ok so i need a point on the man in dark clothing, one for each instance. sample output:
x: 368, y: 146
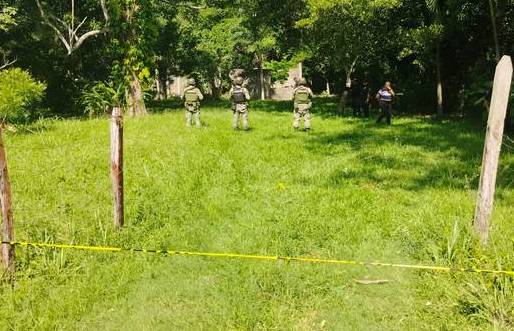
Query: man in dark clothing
x: 355, y: 93
x: 365, y: 98
x: 361, y: 98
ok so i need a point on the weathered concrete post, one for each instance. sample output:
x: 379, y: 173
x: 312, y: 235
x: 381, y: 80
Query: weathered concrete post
x: 492, y: 148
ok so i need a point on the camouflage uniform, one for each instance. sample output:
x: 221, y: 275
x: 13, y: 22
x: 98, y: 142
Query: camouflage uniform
x: 302, y: 96
x: 239, y: 96
x: 192, y: 97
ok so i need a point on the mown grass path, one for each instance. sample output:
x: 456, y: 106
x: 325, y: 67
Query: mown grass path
x: 349, y: 189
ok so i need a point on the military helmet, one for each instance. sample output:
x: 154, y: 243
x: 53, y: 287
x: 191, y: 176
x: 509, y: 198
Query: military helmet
x: 302, y: 81
x: 239, y: 81
x: 191, y: 82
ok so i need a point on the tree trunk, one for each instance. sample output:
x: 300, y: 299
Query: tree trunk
x: 344, y: 96
x: 348, y: 85
x: 216, y: 84
x: 261, y: 78
x: 158, y: 86
x: 136, y: 97
x: 168, y: 84
x: 495, y: 30
x: 440, y: 107
x: 161, y: 85
x: 327, y: 85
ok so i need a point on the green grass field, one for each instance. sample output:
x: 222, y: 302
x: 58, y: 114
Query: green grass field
x: 348, y: 190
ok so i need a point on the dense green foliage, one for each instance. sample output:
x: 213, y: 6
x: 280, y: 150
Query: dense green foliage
x: 7, y: 17
x: 98, y: 99
x: 347, y: 190
x: 18, y: 94
x: 406, y: 41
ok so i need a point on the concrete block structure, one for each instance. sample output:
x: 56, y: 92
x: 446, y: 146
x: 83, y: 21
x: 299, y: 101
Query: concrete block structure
x: 278, y: 90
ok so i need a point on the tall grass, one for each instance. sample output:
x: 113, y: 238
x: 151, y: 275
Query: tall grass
x: 350, y: 189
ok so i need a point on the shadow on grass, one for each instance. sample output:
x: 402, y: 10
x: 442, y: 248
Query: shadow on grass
x: 413, y: 155
x: 175, y: 104
x: 160, y: 106
x: 321, y: 106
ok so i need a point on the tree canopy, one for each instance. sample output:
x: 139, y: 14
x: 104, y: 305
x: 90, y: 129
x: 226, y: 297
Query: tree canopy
x: 439, y: 53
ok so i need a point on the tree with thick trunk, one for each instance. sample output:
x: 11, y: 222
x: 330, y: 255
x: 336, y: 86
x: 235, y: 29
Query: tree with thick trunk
x: 435, y: 7
x: 132, y: 31
x: 348, y: 84
x: 136, y: 101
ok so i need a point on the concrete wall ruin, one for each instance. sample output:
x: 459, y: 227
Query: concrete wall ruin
x: 278, y: 90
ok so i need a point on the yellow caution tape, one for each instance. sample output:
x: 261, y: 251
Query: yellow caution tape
x: 263, y: 257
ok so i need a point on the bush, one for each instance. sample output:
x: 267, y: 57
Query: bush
x: 100, y: 97
x: 18, y: 94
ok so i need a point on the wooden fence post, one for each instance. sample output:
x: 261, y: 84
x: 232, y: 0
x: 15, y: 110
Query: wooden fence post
x: 7, y: 215
x: 492, y: 148
x: 117, y: 165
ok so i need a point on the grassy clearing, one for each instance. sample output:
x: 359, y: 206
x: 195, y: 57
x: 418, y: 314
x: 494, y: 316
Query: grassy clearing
x: 350, y: 189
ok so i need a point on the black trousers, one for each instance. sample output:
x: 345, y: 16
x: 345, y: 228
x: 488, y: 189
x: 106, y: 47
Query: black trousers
x: 365, y: 109
x: 361, y: 108
x: 386, y: 112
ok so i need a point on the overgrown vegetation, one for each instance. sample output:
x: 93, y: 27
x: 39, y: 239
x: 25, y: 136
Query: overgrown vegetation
x: 349, y: 190
x: 19, y: 93
x: 98, y: 99
x: 418, y: 45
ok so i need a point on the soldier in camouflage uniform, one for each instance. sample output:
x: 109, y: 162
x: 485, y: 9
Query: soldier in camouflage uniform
x: 239, y: 96
x: 302, y: 97
x: 192, y: 97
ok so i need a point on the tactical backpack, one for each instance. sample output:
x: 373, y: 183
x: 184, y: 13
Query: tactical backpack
x: 238, y: 95
x: 302, y: 96
x: 191, y: 96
